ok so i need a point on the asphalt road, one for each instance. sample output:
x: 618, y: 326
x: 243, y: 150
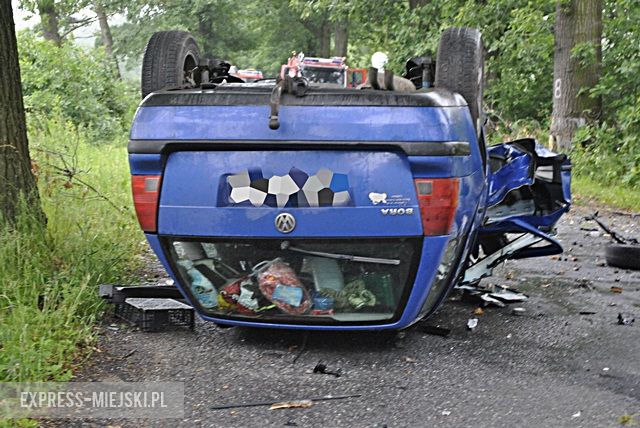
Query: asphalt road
x: 551, y: 366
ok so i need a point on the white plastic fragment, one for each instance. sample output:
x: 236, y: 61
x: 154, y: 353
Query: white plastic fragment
x: 472, y: 323
x: 509, y: 296
x: 490, y: 300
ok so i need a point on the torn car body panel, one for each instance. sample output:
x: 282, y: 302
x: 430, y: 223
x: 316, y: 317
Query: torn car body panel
x: 529, y: 188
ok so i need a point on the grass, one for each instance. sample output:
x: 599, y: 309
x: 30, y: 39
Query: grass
x: 586, y: 190
x: 49, y: 274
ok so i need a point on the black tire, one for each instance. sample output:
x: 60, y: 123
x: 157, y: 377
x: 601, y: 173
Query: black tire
x: 460, y: 68
x: 168, y: 58
x: 623, y: 256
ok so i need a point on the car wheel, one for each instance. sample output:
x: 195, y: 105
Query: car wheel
x: 169, y: 58
x: 460, y: 67
x: 623, y: 256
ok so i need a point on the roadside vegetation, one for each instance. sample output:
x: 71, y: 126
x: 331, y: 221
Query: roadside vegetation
x: 78, y: 112
x: 49, y: 273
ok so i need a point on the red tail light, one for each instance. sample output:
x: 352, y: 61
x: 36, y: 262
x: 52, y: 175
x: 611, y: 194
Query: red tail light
x: 146, y: 189
x: 438, y: 200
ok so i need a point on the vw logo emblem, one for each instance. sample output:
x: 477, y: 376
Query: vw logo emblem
x: 285, y: 222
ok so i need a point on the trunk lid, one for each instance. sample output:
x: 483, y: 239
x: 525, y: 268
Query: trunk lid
x: 329, y: 193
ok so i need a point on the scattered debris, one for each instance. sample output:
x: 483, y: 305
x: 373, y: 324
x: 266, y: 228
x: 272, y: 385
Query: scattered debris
x: 509, y: 296
x: 128, y: 354
x: 616, y: 236
x: 271, y: 403
x: 491, y: 301
x: 488, y: 295
x: 626, y: 420
x: 300, y: 404
x: 518, y: 311
x: 472, y: 323
x: 584, y: 283
x: 435, y: 330
x: 615, y: 289
x: 322, y: 369
x: 625, y: 320
x: 478, y: 311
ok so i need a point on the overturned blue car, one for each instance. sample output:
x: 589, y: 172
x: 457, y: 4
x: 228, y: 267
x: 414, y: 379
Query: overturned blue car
x: 294, y: 204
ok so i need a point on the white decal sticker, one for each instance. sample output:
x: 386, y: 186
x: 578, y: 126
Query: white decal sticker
x: 378, y: 198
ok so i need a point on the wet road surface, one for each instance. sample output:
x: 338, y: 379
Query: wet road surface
x: 550, y: 366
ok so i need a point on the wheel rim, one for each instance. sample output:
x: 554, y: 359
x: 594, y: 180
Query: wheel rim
x: 187, y: 67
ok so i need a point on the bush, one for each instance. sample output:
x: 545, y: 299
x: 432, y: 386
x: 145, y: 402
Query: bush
x: 80, y: 85
x: 609, y: 153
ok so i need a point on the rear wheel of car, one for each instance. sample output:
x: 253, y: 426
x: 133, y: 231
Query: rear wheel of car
x: 169, y: 58
x: 623, y: 256
x: 460, y: 67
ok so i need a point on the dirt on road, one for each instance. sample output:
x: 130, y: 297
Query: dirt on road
x: 563, y: 361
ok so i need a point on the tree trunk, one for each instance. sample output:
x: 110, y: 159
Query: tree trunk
x: 16, y: 179
x: 589, y: 31
x: 49, y: 21
x: 107, y: 39
x: 578, y: 23
x: 325, y: 40
x: 341, y: 37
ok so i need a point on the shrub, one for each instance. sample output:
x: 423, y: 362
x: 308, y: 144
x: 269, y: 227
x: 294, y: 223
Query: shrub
x: 80, y: 85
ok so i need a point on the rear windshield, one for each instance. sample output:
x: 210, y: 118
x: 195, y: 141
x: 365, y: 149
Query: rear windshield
x: 328, y: 281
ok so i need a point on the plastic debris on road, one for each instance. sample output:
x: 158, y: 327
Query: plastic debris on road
x: 625, y: 319
x: 322, y: 369
x: 472, y: 323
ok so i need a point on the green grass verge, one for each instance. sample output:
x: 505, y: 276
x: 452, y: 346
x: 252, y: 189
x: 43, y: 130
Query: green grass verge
x: 586, y: 190
x: 49, y: 274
